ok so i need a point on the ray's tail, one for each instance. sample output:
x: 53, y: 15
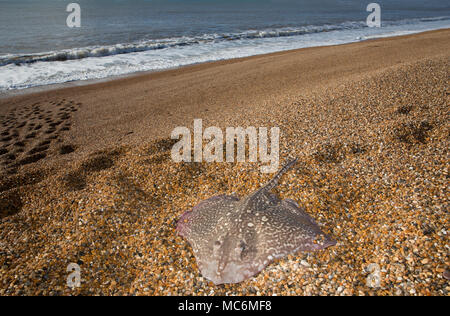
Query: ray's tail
x: 274, y: 181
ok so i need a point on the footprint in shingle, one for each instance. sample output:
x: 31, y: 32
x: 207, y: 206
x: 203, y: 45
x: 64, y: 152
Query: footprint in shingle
x: 54, y: 124
x: 38, y: 149
x: 32, y: 159
x: 10, y: 157
x: 19, y: 144
x: 31, y: 135
x: 66, y: 149
x: 45, y: 143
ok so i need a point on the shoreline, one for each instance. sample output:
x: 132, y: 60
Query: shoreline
x: 119, y: 111
x: 79, y: 83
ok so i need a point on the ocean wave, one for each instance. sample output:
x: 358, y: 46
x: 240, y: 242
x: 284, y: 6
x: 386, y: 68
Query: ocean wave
x: 101, y: 51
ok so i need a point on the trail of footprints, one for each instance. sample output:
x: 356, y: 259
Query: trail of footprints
x: 27, y: 134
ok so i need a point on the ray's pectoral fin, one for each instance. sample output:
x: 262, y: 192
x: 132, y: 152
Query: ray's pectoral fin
x: 297, y: 231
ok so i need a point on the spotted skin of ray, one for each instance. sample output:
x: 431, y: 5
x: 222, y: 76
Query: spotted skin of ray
x: 234, y: 239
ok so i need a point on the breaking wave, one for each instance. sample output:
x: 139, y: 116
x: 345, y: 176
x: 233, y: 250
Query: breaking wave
x: 101, y: 51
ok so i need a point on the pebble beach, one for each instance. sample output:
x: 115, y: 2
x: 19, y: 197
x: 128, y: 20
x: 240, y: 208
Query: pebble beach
x: 86, y: 174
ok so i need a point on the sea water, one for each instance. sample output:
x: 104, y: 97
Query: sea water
x: 118, y: 37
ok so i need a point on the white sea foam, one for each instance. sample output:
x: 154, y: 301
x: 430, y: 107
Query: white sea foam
x: 23, y: 71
